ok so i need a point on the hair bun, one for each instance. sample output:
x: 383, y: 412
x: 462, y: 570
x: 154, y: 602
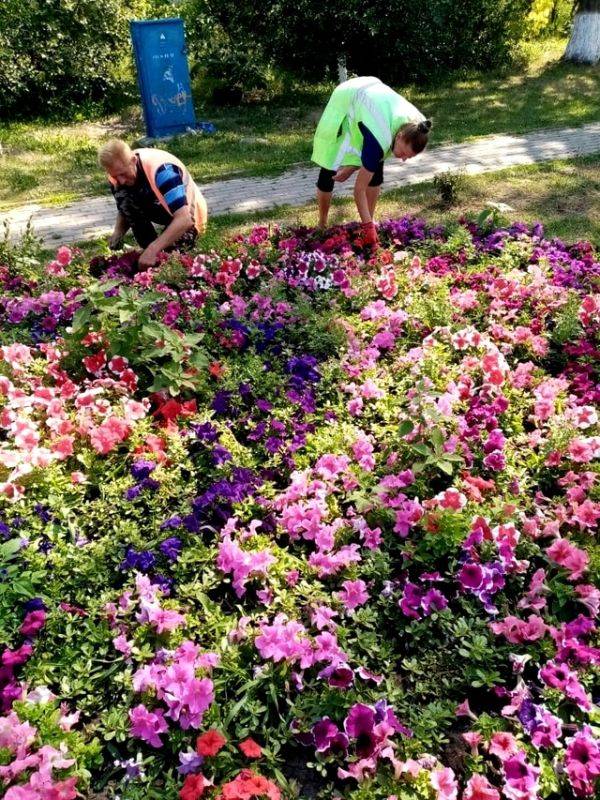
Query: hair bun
x: 425, y: 126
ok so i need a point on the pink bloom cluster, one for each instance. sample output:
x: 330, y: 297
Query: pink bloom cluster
x: 44, y: 420
x: 33, y: 773
x: 173, y: 679
x: 243, y: 565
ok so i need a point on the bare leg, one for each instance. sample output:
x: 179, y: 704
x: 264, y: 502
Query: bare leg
x: 324, y: 203
x: 372, y: 197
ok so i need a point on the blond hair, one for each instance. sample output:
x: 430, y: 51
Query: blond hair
x: 114, y: 151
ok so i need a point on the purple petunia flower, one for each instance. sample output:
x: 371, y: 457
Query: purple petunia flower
x: 171, y: 548
x: 141, y: 469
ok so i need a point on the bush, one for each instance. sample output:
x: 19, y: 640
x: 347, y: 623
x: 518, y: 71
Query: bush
x: 450, y: 186
x: 389, y: 39
x: 54, y: 54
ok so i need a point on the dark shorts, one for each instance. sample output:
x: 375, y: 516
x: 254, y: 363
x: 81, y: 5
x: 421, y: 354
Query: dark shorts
x: 325, y: 180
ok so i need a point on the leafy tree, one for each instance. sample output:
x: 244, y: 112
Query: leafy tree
x: 54, y: 53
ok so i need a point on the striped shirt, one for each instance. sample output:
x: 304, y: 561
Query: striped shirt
x: 170, y: 185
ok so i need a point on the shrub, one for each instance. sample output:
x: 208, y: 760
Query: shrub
x: 56, y: 54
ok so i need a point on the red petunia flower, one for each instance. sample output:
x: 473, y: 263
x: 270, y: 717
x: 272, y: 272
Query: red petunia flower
x: 209, y: 743
x: 250, y: 748
x: 216, y: 370
x: 193, y: 787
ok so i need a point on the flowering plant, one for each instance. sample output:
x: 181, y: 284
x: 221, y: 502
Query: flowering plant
x: 295, y: 519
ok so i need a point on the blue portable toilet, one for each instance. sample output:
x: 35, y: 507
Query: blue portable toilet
x: 163, y: 76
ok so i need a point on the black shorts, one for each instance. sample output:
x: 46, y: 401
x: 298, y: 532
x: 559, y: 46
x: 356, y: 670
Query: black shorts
x: 325, y: 180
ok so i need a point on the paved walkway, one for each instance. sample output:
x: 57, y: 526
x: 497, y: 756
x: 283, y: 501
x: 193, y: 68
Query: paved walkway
x: 94, y: 217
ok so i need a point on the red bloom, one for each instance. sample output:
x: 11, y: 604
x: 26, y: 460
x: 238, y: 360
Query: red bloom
x: 193, y: 787
x: 95, y: 363
x: 171, y: 409
x: 216, y: 370
x: 209, y: 743
x: 250, y: 748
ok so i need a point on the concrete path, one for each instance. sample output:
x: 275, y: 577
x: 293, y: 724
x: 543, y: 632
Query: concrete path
x: 94, y: 217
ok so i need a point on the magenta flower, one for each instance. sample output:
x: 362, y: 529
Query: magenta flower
x: 147, y: 725
x: 359, y: 725
x: 470, y: 576
x: 353, y: 594
x: 33, y: 623
x: 328, y: 737
x: 522, y: 779
x: 582, y: 762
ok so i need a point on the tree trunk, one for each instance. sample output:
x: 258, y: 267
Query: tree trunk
x: 584, y: 44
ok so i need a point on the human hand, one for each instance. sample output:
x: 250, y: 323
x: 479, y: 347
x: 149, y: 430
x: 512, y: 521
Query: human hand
x: 147, y: 258
x: 344, y: 173
x: 115, y: 241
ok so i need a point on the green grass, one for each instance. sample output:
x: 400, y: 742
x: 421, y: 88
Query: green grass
x: 564, y: 195
x: 49, y: 163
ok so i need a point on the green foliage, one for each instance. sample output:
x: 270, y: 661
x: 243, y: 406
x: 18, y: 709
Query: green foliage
x: 55, y: 53
x: 427, y: 40
x: 449, y: 186
x: 567, y: 326
x: 163, y: 357
x: 16, y: 586
x: 22, y: 258
x: 549, y: 17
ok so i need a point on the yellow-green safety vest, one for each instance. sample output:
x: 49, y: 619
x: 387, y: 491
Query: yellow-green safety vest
x: 338, y: 140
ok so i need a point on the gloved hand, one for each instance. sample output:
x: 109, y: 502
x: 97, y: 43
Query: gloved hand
x: 368, y: 234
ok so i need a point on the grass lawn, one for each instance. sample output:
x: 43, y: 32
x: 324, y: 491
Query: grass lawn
x: 564, y: 195
x: 45, y: 162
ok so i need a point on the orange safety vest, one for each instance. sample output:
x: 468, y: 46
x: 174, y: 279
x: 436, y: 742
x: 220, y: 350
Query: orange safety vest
x: 151, y: 159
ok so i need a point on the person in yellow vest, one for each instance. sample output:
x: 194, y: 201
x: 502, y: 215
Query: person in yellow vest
x: 364, y: 123
x: 152, y: 187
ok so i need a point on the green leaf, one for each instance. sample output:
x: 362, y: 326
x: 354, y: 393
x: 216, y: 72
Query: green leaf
x: 422, y: 449
x: 437, y: 437
x: 198, y: 359
x: 8, y: 549
x: 405, y: 427
x: 81, y: 318
x: 446, y: 467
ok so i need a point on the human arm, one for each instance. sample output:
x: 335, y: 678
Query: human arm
x: 344, y: 173
x: 180, y: 224
x: 360, y: 194
x: 120, y: 229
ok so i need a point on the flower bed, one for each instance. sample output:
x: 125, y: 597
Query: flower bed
x: 293, y: 520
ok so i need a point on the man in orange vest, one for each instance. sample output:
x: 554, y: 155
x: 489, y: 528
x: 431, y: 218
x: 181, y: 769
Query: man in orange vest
x: 152, y: 187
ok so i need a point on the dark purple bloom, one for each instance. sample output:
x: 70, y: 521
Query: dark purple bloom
x: 529, y: 715
x: 42, y: 512
x: 206, y: 432
x: 172, y: 523
x: 171, y: 548
x: 141, y: 469
x: 221, y: 403
x: 35, y: 604
x: 273, y: 444
x: 150, y: 484
x: 143, y: 560
x: 133, y: 492
x: 304, y: 367
x: 220, y: 455
x: 164, y: 584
